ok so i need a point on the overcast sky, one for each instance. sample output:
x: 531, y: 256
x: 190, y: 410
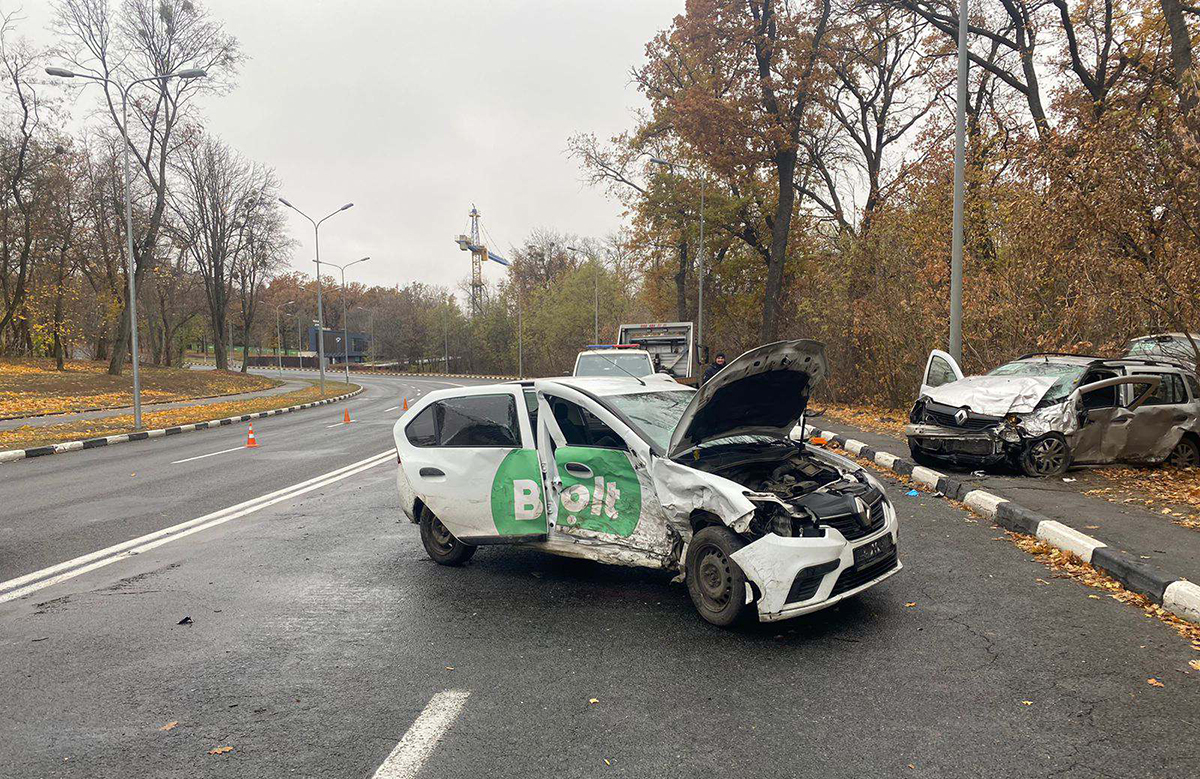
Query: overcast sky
x: 414, y: 110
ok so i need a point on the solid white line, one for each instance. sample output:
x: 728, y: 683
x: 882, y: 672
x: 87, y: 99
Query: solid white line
x: 335, y: 424
x: 210, y: 454
x: 90, y: 562
x: 418, y: 743
x: 393, y: 408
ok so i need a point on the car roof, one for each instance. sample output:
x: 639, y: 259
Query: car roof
x: 609, y: 385
x: 1087, y: 360
x: 1155, y: 336
x: 610, y: 350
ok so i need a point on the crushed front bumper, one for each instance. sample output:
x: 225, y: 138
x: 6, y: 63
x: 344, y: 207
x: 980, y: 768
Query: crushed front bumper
x: 968, y: 447
x: 799, y: 575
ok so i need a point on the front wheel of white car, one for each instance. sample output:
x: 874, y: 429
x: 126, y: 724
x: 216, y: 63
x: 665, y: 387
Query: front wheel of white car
x: 440, y: 544
x: 715, y: 582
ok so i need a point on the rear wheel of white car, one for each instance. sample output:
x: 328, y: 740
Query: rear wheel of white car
x: 715, y: 582
x: 440, y: 543
x: 1046, y: 456
x: 1185, y: 454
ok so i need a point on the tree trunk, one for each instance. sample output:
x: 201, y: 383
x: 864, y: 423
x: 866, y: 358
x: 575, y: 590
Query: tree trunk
x: 116, y: 362
x: 681, y: 301
x: 245, y: 349
x: 781, y: 225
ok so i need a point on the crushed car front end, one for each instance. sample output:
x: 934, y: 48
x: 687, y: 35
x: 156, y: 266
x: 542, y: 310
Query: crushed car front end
x: 963, y: 437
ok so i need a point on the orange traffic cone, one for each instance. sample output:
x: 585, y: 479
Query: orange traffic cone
x: 346, y: 417
x: 250, y: 442
x: 405, y: 405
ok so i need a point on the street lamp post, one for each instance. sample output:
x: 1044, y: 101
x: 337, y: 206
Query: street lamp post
x: 279, y: 336
x: 960, y: 154
x: 320, y: 314
x: 345, y: 326
x: 187, y: 73
x: 699, y: 257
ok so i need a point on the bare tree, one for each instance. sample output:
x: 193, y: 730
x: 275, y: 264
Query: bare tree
x: 216, y: 194
x: 19, y: 169
x: 149, y: 39
x: 265, y: 246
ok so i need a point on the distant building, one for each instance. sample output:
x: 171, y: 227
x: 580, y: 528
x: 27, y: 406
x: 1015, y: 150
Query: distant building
x: 360, y: 345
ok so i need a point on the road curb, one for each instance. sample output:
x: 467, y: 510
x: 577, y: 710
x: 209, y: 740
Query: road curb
x: 12, y: 455
x: 380, y: 373
x: 1174, y: 593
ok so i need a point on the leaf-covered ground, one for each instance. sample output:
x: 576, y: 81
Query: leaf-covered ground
x: 1171, y: 492
x: 28, y: 436
x: 32, y: 387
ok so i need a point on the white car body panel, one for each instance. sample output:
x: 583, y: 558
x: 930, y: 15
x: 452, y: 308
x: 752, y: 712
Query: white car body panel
x: 993, y: 395
x: 586, y: 509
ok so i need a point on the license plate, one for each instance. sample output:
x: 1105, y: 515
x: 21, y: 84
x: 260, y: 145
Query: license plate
x: 869, y: 552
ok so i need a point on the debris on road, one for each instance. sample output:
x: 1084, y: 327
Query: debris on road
x: 220, y: 750
x: 185, y: 621
x: 1154, y: 682
x: 170, y: 725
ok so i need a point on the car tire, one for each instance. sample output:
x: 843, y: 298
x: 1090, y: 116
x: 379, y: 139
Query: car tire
x: 440, y: 544
x: 1185, y: 454
x: 1046, y: 456
x: 715, y: 583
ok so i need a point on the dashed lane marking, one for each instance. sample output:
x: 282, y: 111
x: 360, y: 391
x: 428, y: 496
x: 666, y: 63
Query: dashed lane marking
x: 419, y: 741
x: 210, y: 454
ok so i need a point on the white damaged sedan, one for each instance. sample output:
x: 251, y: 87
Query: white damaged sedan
x: 648, y: 472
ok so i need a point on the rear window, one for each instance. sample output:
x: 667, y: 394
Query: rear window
x: 472, y: 421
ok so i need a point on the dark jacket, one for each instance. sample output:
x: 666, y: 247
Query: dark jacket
x: 713, y: 370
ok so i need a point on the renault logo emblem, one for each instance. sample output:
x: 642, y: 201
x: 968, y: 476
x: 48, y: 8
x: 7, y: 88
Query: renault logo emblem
x: 861, y: 512
x: 960, y: 416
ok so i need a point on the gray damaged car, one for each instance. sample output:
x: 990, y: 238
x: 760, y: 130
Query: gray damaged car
x: 1044, y: 413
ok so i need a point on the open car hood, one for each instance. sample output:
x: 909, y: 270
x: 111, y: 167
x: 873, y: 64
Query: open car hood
x: 763, y: 392
x: 994, y: 395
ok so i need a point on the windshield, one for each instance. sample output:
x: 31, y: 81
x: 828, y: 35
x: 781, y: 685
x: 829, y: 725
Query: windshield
x: 1068, y: 376
x: 656, y: 413
x: 615, y: 364
x: 1175, y: 347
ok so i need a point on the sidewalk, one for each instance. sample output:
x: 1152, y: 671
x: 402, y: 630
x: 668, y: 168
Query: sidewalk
x: 1149, y: 537
x: 289, y: 385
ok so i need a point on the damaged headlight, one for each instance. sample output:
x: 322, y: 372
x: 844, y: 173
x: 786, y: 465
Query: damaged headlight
x: 917, y: 415
x: 1009, y: 430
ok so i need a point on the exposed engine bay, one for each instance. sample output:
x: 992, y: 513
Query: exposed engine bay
x: 797, y: 494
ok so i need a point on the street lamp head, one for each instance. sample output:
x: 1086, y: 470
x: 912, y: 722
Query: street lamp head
x: 191, y: 73
x: 661, y: 161
x: 60, y: 72
x: 284, y: 201
x: 348, y: 205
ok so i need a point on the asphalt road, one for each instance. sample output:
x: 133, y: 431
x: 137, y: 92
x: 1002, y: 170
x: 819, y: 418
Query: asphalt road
x: 321, y: 634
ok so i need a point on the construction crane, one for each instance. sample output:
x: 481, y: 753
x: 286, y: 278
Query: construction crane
x: 479, y: 253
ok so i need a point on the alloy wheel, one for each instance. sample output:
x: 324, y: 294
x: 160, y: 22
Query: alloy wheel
x: 1048, y: 456
x: 1184, y: 455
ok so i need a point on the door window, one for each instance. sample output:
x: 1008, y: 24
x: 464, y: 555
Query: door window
x: 940, y: 372
x: 582, y: 428
x: 1169, y: 391
x: 1105, y: 397
x: 477, y: 421
x: 1193, y: 385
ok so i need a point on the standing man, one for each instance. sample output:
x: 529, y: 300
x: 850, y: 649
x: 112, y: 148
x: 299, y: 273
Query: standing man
x: 715, y: 368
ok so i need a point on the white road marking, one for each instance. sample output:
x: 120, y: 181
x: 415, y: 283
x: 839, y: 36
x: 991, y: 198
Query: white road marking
x: 393, y: 408
x: 335, y: 424
x: 22, y: 586
x: 210, y: 454
x: 419, y: 742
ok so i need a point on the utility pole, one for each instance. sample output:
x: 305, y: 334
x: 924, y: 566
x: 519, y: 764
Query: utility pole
x: 960, y: 155
x: 446, y: 333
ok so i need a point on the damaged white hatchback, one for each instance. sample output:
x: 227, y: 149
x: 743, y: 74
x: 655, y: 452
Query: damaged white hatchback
x: 647, y: 472
x: 1047, y: 412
